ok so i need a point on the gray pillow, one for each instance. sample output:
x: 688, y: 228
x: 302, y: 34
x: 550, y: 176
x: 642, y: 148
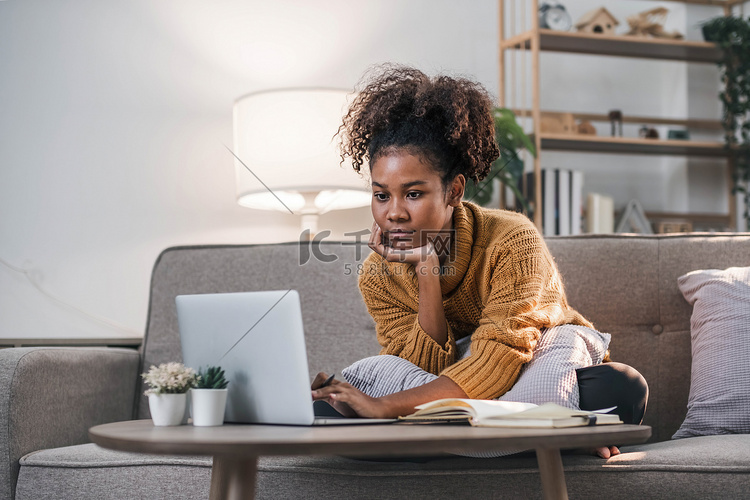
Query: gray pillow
x: 719, y: 401
x: 385, y: 374
x: 549, y: 376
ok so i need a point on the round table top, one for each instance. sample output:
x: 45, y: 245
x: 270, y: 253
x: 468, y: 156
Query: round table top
x: 382, y: 440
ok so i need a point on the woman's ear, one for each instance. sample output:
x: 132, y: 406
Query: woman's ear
x: 456, y: 191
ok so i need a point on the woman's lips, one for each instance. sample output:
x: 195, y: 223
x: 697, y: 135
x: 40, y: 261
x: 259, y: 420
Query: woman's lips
x: 396, y: 235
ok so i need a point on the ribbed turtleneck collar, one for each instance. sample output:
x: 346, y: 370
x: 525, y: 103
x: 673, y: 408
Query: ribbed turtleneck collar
x: 457, y: 264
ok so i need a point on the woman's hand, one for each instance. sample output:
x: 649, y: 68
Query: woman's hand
x: 414, y: 256
x: 348, y: 400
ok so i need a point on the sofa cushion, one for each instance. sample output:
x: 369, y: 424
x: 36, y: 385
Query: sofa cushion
x: 89, y: 472
x: 702, y: 467
x: 719, y: 400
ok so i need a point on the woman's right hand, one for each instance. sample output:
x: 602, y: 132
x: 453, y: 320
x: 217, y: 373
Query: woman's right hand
x: 347, y: 399
x: 414, y: 256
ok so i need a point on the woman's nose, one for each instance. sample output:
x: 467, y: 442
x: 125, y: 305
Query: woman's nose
x: 396, y: 211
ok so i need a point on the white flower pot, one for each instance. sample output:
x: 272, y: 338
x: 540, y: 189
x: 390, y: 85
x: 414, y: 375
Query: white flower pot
x: 207, y: 406
x: 167, y: 409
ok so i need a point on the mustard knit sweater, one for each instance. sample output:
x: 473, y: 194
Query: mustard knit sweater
x: 500, y: 284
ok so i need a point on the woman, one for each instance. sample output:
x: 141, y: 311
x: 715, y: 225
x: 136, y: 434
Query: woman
x: 442, y: 269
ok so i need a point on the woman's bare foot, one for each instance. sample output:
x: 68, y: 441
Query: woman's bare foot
x: 607, y: 451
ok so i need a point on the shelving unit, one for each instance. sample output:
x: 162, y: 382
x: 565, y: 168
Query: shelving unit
x: 536, y: 40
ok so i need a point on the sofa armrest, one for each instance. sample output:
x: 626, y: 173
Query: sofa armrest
x: 49, y: 397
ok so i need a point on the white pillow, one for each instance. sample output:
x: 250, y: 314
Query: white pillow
x: 549, y: 376
x: 719, y: 401
x: 385, y: 374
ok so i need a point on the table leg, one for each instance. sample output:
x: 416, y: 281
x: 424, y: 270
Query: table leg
x: 233, y: 479
x: 553, y: 475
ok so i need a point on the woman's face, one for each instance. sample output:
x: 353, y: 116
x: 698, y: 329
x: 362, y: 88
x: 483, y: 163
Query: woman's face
x: 409, y: 202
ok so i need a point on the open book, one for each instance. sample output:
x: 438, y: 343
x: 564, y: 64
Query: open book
x: 483, y: 413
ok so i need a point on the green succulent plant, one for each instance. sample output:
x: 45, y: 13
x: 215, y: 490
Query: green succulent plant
x: 211, y: 378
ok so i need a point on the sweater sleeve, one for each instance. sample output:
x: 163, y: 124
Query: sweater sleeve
x: 398, y: 329
x: 517, y: 306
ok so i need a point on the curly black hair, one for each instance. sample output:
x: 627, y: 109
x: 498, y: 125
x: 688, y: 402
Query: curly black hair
x: 445, y: 120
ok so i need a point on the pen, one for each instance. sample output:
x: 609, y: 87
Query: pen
x: 327, y: 382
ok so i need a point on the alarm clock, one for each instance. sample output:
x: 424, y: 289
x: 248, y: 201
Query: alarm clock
x: 553, y: 16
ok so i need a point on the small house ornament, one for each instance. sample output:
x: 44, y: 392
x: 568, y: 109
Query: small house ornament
x: 598, y: 21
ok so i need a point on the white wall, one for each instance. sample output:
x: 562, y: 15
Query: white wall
x: 113, y: 117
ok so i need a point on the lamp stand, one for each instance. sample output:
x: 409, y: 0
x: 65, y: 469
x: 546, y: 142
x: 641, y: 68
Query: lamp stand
x: 310, y: 214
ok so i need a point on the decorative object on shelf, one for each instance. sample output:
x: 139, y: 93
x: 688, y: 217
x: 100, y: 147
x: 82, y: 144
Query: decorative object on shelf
x: 208, y: 399
x: 681, y: 135
x: 598, y: 21
x: 634, y: 220
x: 558, y: 123
x: 732, y: 35
x: 508, y: 169
x: 167, y: 395
x: 646, y: 132
x: 553, y: 16
x: 673, y: 226
x: 303, y: 176
x: 650, y: 23
x: 585, y: 127
x: 615, y: 118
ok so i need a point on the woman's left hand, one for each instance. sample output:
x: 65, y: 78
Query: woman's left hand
x: 348, y: 400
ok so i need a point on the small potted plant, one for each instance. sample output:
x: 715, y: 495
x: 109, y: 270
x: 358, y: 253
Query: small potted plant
x: 167, y: 395
x: 208, y: 399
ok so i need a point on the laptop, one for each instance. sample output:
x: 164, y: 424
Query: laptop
x: 259, y: 341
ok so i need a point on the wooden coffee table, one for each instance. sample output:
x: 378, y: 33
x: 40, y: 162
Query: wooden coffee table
x: 236, y: 448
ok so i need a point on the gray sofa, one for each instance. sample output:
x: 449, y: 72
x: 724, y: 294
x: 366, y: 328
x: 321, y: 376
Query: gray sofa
x: 627, y: 285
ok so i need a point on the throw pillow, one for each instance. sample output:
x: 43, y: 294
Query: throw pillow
x: 549, y: 377
x: 385, y: 374
x: 719, y: 400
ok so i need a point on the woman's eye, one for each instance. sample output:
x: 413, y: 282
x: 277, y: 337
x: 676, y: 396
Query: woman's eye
x: 380, y: 196
x: 414, y: 194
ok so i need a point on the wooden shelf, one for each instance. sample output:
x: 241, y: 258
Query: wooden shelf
x: 690, y: 123
x: 700, y: 218
x: 713, y: 3
x: 599, y: 144
x: 537, y: 40
x: 622, y: 46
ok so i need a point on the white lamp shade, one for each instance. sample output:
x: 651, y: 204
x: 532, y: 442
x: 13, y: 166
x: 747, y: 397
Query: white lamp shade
x: 286, y: 139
